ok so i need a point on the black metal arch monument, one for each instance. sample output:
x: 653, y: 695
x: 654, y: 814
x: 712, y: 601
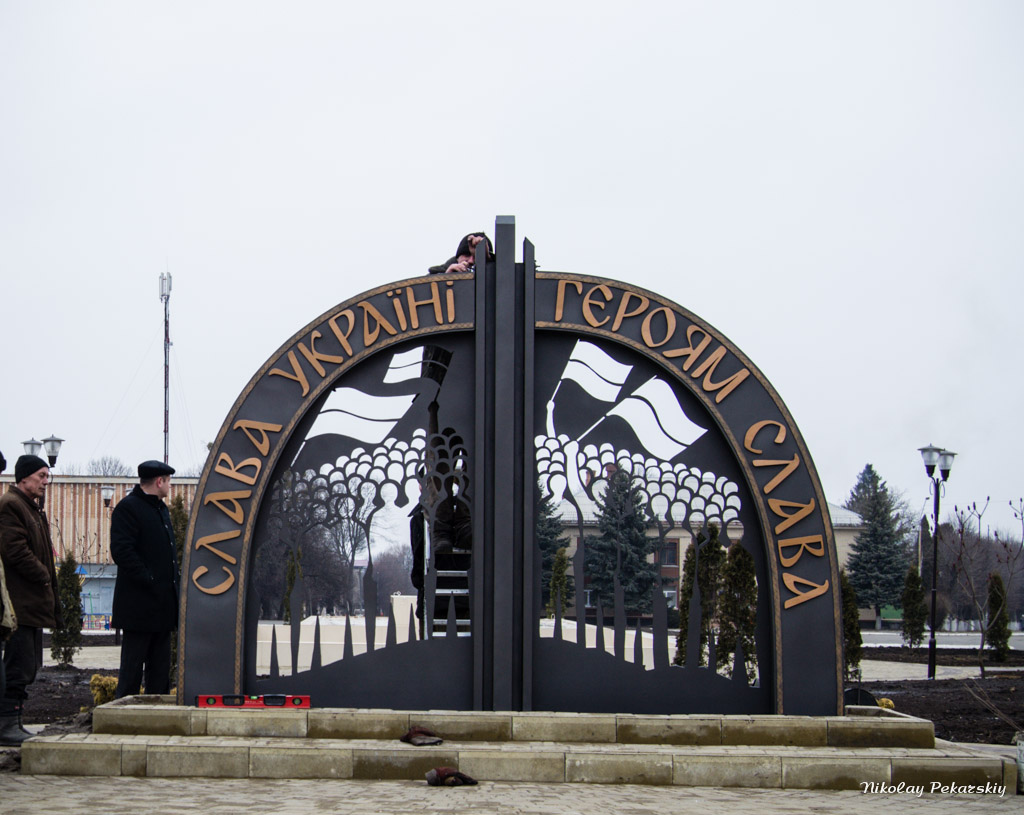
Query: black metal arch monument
x: 435, y: 415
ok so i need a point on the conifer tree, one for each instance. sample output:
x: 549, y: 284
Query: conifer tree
x: 179, y: 524
x: 738, y: 613
x: 547, y: 533
x: 623, y: 543
x: 685, y: 593
x: 66, y: 639
x: 852, y: 641
x: 878, y: 558
x: 998, y: 634
x: 915, y: 610
x: 710, y: 568
x: 560, y: 582
x: 704, y: 563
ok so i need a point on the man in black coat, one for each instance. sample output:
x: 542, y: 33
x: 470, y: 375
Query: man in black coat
x: 146, y: 591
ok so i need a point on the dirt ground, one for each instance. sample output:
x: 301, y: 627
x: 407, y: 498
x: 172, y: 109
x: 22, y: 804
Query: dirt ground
x: 979, y: 711
x: 959, y: 714
x: 967, y: 657
x: 57, y: 696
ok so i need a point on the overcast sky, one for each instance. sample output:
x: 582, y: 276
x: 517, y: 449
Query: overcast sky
x: 837, y: 187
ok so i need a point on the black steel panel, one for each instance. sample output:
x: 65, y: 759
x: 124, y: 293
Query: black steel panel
x: 521, y: 384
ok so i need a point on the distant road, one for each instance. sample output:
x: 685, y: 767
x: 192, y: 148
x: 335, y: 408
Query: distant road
x: 943, y: 639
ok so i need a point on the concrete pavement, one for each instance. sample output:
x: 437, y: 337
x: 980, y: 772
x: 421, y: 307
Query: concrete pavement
x: 30, y: 795
x: 20, y: 795
x: 943, y: 639
x: 106, y: 657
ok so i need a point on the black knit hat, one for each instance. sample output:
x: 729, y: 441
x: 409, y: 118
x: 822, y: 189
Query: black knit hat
x: 3, y: 463
x: 464, y: 245
x: 26, y: 466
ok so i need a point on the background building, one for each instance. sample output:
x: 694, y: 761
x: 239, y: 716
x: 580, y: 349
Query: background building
x: 80, y: 524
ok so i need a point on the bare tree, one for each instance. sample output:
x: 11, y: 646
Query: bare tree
x: 109, y: 465
x: 328, y: 520
x: 1015, y: 594
x: 976, y: 555
x: 392, y: 570
x: 949, y: 596
x: 104, y: 465
x: 326, y: 581
x: 344, y: 539
x: 293, y: 515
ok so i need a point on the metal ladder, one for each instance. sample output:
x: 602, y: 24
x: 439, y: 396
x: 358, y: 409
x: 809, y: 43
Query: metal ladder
x: 452, y: 588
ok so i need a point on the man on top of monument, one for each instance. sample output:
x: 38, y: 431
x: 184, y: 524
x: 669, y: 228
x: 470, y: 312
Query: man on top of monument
x: 465, y: 255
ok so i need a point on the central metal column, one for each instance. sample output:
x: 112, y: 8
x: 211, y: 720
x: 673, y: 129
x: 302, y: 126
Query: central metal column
x: 503, y: 499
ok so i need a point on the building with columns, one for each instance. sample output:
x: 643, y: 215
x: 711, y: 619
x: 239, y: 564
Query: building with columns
x: 79, y: 521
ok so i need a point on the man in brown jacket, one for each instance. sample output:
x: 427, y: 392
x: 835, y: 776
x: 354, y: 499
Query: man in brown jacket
x: 7, y: 620
x: 26, y: 551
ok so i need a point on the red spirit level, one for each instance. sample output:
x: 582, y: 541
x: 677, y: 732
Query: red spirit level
x: 261, y: 700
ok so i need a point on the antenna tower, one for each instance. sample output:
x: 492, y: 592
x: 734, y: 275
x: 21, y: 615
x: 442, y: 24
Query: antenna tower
x: 165, y: 298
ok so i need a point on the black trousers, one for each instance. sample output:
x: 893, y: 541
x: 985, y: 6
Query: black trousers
x: 144, y: 654
x: 22, y: 654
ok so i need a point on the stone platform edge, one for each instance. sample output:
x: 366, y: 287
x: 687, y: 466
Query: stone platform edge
x: 537, y: 762
x: 861, y: 727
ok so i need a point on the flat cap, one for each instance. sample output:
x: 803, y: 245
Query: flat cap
x: 154, y: 469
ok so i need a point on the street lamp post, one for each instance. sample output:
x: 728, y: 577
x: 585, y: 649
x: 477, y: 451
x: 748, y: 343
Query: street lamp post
x: 933, y: 456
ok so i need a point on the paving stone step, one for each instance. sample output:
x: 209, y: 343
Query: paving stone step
x: 151, y: 736
x: 796, y: 767
x: 856, y: 730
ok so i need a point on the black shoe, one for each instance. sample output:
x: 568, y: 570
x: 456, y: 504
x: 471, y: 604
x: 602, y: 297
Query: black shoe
x: 11, y: 735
